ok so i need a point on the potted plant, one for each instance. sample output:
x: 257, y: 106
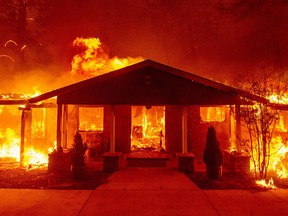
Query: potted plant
x: 213, y: 157
x: 78, y: 157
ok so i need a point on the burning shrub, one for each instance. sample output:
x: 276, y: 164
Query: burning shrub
x: 261, y: 118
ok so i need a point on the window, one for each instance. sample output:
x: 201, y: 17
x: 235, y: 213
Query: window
x: 91, y: 118
x: 212, y: 114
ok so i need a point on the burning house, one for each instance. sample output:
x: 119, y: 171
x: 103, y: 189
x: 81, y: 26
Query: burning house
x: 144, y: 106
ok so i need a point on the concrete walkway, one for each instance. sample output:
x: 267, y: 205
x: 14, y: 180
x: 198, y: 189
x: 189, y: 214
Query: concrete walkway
x: 143, y: 191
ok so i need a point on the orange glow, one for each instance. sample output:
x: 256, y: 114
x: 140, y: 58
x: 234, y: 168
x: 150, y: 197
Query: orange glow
x: 279, y: 157
x: 212, y: 114
x: 278, y: 99
x: 11, y: 145
x: 94, y: 61
x: 278, y: 162
x: 148, y: 128
x: 264, y: 184
x: 10, y: 149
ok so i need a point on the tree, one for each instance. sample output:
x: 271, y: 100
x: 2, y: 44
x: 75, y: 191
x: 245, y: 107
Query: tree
x: 260, y: 118
x: 22, y: 23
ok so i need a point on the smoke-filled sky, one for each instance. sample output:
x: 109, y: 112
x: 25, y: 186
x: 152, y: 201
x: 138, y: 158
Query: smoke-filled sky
x: 216, y: 39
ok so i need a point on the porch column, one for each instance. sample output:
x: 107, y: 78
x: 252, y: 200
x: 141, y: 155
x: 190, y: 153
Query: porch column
x: 238, y: 127
x: 26, y: 121
x: 65, y: 119
x: 22, y: 143
x: 59, y: 126
x: 112, y: 129
x: 184, y: 130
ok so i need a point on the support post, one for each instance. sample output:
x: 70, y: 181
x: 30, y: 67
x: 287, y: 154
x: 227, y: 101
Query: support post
x: 112, y: 129
x: 22, y: 142
x: 65, y: 119
x: 238, y: 127
x: 59, y: 126
x: 184, y: 130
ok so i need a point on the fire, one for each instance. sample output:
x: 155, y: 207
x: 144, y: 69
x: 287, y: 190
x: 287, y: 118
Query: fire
x: 269, y: 184
x: 279, y: 157
x: 10, y: 150
x: 278, y: 99
x: 10, y: 132
x: 94, y: 61
x: 148, y: 128
x: 11, y: 145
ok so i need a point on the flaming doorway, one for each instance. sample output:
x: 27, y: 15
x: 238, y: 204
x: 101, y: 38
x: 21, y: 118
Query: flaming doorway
x: 148, y: 128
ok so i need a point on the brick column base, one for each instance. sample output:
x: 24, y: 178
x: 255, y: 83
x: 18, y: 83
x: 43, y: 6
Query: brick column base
x: 185, y: 162
x: 111, y: 161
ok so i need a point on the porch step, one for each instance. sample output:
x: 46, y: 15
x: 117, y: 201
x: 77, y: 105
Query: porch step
x: 147, y: 159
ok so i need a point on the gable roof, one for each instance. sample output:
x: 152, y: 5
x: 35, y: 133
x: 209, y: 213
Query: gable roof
x: 148, y: 83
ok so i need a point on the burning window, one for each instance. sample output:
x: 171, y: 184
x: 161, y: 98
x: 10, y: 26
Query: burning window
x: 91, y: 118
x: 212, y: 114
x: 148, y: 127
x: 91, y: 129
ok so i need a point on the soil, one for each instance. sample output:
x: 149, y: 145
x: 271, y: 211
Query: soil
x: 37, y: 177
x: 230, y: 181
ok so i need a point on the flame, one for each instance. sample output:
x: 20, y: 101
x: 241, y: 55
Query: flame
x: 279, y: 157
x: 213, y: 114
x: 269, y: 184
x: 278, y: 163
x: 11, y: 149
x: 94, y: 61
x: 280, y: 99
x: 148, y: 128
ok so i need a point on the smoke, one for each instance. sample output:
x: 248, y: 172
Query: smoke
x: 205, y: 37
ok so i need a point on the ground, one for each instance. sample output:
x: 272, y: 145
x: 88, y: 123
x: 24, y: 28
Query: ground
x: 37, y: 177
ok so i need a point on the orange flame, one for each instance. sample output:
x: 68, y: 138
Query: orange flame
x: 269, y: 184
x: 148, y: 128
x: 11, y: 149
x: 94, y: 61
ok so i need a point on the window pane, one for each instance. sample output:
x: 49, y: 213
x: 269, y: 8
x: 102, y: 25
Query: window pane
x: 212, y: 114
x: 91, y: 118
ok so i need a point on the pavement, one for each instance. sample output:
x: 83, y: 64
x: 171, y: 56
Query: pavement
x: 143, y: 191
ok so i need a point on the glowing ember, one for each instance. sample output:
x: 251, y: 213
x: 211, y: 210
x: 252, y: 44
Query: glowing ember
x: 94, y: 61
x: 269, y: 184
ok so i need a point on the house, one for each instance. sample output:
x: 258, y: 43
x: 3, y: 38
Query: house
x: 181, y: 99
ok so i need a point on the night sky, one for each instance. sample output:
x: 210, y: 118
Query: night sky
x: 217, y: 39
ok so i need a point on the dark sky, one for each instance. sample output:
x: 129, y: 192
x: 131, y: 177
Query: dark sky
x: 213, y: 38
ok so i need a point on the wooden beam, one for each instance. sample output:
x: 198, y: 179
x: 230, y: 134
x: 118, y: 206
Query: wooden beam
x: 22, y: 140
x: 65, y: 119
x: 112, y: 129
x: 238, y: 127
x: 184, y: 130
x: 59, y: 126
